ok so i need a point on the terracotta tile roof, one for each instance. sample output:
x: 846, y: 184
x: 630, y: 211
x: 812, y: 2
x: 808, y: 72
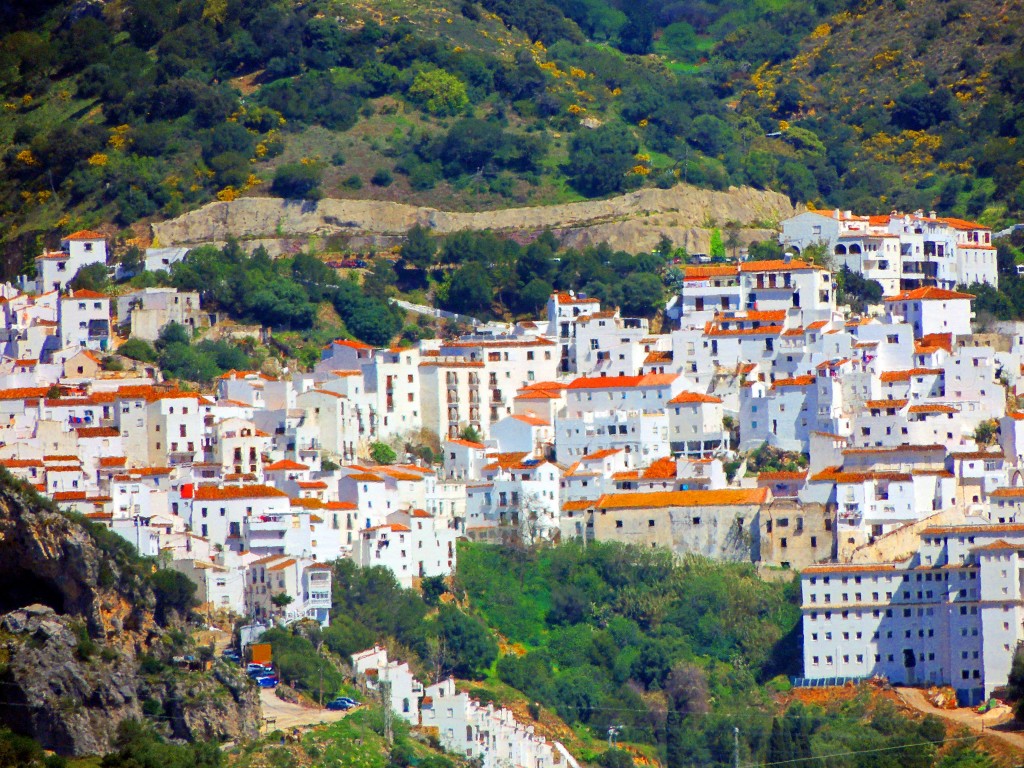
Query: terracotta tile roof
x: 778, y: 265
x: 234, y: 375
x: 285, y: 464
x: 836, y: 475
x: 60, y: 457
x: 624, y: 382
x: 341, y: 505
x: 23, y: 393
x: 660, y: 469
x: 89, y: 432
x: 214, y: 493
x: 422, y: 513
x: 465, y: 443
x: 658, y: 357
x: 960, y: 455
x: 891, y: 376
x: 929, y: 293
x: 798, y: 381
x: 1008, y: 493
x: 565, y: 298
x: 351, y: 344
x: 85, y: 234
x: 598, y: 455
x: 578, y: 505
x: 281, y: 566
x: 720, y: 498
x: 764, y: 330
x: 996, y: 546
x: 966, y: 530
x: 83, y: 293
x: 713, y: 270
x: 961, y: 224
x: 451, y: 364
x: 69, y: 496
x: 812, y: 570
x: 782, y: 475
x: 20, y: 463
x: 506, y: 460
x: 693, y: 397
x: 393, y: 527
x: 311, y: 485
x: 365, y: 477
x: 885, y: 404
x: 940, y: 340
x: 533, y: 421
x: 933, y: 408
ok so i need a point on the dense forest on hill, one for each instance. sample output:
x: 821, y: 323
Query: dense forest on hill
x: 124, y: 110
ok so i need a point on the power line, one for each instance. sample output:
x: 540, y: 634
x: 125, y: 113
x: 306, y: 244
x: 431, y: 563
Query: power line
x: 861, y: 752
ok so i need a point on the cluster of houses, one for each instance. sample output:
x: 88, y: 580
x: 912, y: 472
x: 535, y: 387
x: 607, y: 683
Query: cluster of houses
x: 902, y: 518
x: 483, y: 733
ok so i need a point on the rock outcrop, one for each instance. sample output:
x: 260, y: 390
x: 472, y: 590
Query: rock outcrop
x: 633, y: 221
x: 80, y: 650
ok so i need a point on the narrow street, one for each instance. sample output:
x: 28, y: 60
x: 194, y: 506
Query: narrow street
x: 987, y: 723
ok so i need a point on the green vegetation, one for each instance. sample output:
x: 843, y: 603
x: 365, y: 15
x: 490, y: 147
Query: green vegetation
x: 158, y: 107
x: 382, y: 453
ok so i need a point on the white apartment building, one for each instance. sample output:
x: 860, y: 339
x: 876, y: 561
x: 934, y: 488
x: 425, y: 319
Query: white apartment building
x: 949, y: 615
x: 412, y: 545
x: 84, y: 320
x: 900, y: 250
x: 306, y: 582
x: 372, y: 668
x: 55, y: 269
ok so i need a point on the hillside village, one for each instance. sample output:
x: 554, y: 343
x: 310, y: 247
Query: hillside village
x: 896, y: 491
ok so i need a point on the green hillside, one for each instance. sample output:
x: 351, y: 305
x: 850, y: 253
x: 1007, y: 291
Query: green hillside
x: 131, y: 109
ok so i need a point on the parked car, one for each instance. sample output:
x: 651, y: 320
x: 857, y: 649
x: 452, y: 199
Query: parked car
x: 266, y: 681
x: 342, y: 703
x: 232, y: 656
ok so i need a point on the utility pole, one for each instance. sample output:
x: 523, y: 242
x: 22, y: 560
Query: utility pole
x: 385, y: 693
x: 736, y: 747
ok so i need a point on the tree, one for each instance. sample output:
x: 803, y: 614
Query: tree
x: 439, y: 92
x: 599, y: 159
x: 470, y: 290
x: 985, y: 432
x: 92, y: 277
x: 172, y: 333
x: 470, y: 434
x: 282, y: 600
x: 643, y: 295
x: 175, y: 594
x: 419, y: 249
x: 382, y: 453
x: 298, y: 181
x: 918, y: 108
x: 468, y: 645
x: 717, y: 248
x: 138, y: 349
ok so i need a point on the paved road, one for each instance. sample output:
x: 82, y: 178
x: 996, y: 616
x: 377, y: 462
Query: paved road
x: 966, y: 716
x: 287, y: 715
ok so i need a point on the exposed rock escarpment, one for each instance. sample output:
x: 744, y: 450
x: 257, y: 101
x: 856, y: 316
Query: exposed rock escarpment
x: 80, y: 650
x: 633, y: 221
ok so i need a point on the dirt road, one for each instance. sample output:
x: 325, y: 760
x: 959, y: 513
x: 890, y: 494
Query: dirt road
x: 991, y: 723
x: 281, y: 714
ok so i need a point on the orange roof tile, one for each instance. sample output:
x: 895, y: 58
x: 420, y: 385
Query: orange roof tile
x: 465, y: 443
x: 713, y: 270
x: 888, y: 377
x: 797, y: 381
x: 20, y: 463
x: 658, y: 357
x: 778, y: 265
x: 533, y: 421
x: 783, y: 475
x: 285, y: 464
x: 932, y: 408
x: 660, y: 469
x: 720, y: 498
x: 885, y: 404
x: 965, y: 530
x: 598, y: 455
x: 351, y: 344
x: 85, y: 234
x: 90, y: 432
x: 624, y: 382
x: 929, y: 293
x: 214, y: 493
x: 84, y: 293
x: 565, y: 298
x: 310, y: 485
x: 578, y: 505
x: 693, y: 397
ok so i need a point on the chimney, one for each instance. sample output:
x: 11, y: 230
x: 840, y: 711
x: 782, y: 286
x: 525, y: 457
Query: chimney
x: 931, y: 214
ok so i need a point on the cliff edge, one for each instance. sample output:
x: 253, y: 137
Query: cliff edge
x: 80, y: 648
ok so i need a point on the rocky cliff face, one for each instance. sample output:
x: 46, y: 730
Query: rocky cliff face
x: 633, y: 221
x: 80, y: 650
